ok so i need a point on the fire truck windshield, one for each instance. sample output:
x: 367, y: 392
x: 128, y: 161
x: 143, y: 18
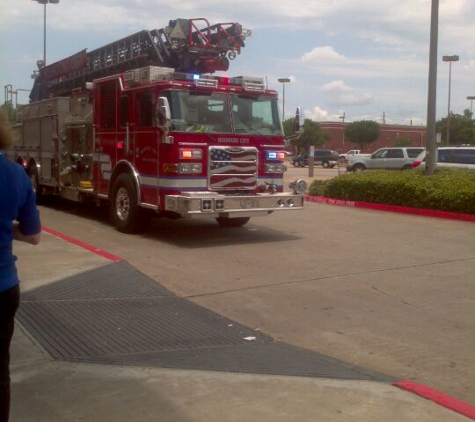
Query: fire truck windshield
x: 210, y: 113
x: 255, y: 115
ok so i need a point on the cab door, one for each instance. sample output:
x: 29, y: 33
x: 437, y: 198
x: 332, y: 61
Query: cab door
x: 145, y: 133
x: 105, y: 134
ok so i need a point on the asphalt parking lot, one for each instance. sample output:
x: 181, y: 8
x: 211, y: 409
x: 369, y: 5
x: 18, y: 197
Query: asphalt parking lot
x: 319, y: 173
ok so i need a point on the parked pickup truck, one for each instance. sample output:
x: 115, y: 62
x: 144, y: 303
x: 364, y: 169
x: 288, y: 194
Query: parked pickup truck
x: 385, y: 158
x: 352, y: 153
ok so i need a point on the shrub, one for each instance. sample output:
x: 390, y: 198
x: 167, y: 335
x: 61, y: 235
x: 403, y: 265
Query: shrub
x: 317, y: 188
x: 446, y: 190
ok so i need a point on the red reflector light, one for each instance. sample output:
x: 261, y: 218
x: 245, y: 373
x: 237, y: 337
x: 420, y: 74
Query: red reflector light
x: 170, y: 168
x: 416, y: 164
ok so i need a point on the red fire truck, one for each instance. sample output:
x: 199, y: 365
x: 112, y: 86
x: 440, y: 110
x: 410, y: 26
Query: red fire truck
x: 144, y: 125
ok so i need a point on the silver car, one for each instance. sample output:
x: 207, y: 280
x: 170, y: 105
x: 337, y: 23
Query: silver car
x: 456, y: 157
x: 385, y: 158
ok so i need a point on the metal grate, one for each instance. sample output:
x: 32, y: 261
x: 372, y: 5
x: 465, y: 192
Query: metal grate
x: 117, y: 315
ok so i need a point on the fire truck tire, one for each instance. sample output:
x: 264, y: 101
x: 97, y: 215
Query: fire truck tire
x: 232, y: 222
x: 126, y: 214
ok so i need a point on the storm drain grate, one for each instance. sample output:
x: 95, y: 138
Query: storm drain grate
x: 115, y: 280
x: 261, y: 358
x: 120, y: 326
x: 117, y: 315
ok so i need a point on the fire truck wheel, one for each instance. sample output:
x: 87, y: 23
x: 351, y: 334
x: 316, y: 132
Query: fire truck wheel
x: 127, y: 216
x: 232, y: 222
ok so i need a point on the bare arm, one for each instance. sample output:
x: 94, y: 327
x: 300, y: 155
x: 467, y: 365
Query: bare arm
x: 34, y: 239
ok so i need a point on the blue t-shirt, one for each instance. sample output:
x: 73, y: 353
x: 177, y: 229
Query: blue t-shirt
x: 17, y: 203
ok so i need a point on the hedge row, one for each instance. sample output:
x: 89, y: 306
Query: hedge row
x: 446, y: 190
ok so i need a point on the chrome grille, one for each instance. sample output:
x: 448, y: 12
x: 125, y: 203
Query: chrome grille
x: 232, y: 168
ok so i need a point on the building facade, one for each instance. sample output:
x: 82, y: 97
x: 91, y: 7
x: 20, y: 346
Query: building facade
x: 389, y: 134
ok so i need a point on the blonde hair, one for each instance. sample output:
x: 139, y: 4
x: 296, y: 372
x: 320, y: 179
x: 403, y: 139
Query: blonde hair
x: 6, y: 134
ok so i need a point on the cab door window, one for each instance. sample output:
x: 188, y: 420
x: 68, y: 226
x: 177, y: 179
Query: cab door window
x: 124, y: 111
x: 146, y: 106
x: 108, y: 103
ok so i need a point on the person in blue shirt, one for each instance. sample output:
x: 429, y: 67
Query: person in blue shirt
x: 19, y: 220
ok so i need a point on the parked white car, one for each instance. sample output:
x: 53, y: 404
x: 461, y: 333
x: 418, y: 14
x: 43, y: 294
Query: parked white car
x: 456, y: 157
x: 385, y: 158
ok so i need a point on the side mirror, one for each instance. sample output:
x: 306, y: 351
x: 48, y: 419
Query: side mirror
x: 164, y: 119
x: 299, y: 121
x: 163, y: 113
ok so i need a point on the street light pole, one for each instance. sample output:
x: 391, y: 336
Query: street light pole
x: 432, y: 89
x: 283, y: 81
x: 471, y: 98
x: 44, y: 3
x: 449, y: 59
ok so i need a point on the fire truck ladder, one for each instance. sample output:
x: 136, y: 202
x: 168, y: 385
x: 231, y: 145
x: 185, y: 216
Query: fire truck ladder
x: 187, y: 45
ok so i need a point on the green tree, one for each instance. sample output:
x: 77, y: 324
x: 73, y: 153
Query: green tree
x: 363, y: 132
x: 462, y: 128
x: 403, y: 142
x: 312, y: 135
x: 9, y: 110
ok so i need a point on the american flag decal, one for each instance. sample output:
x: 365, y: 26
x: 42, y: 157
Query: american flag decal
x: 232, y: 168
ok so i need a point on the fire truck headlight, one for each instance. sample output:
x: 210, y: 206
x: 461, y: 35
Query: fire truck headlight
x: 299, y: 186
x: 190, y: 168
x: 275, y: 168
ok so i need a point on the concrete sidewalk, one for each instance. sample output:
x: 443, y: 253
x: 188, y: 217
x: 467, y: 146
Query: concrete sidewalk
x: 45, y: 389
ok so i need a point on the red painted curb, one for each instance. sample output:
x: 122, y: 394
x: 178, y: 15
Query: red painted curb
x: 82, y: 244
x: 392, y: 208
x: 438, y: 397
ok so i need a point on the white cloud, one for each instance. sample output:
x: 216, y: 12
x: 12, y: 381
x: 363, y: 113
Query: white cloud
x: 336, y: 87
x: 322, y: 54
x: 339, y: 94
x: 320, y: 115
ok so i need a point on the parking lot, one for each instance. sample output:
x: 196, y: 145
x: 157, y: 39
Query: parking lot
x: 392, y: 293
x: 319, y: 173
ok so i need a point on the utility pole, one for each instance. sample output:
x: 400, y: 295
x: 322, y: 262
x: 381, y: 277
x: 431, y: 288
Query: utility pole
x: 342, y: 118
x: 283, y: 81
x: 471, y: 98
x: 449, y: 59
x: 432, y: 89
x: 44, y: 3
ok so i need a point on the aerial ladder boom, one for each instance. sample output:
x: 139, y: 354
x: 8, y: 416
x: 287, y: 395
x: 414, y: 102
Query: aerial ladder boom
x: 187, y: 45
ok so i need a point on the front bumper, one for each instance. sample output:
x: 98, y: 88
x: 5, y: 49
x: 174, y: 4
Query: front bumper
x: 211, y: 204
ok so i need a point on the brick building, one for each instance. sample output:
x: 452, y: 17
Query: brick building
x: 387, y: 138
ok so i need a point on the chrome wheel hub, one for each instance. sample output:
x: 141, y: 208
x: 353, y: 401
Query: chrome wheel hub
x: 122, y: 204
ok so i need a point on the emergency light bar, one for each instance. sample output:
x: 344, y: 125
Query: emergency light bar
x: 249, y: 83
x: 156, y: 73
x: 207, y: 82
x: 149, y: 74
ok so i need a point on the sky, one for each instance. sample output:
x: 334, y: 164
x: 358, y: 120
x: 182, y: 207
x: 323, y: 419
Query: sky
x: 351, y: 59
